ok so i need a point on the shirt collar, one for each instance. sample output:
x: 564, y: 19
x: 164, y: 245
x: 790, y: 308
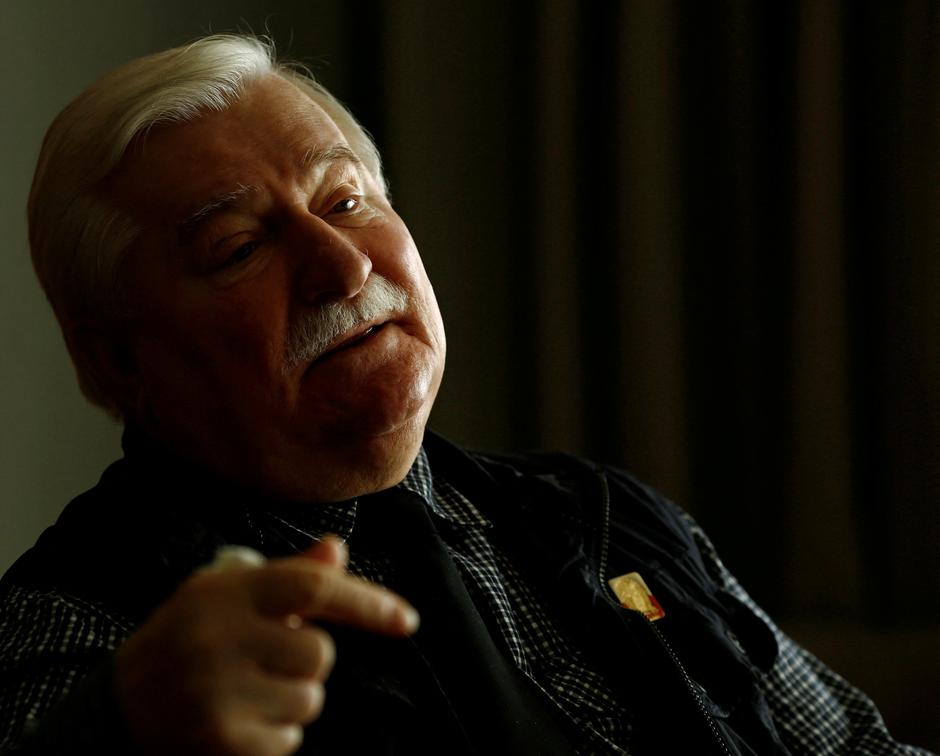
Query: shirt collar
x: 419, y: 479
x: 442, y: 499
x: 340, y: 518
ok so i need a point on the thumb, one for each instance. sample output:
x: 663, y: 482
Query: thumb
x: 328, y: 550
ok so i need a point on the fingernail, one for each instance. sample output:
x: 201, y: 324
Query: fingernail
x: 411, y: 617
x: 342, y: 549
x: 337, y: 544
x: 317, y: 693
x: 293, y: 737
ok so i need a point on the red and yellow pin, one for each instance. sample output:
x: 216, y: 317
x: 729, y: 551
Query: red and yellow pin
x: 633, y: 593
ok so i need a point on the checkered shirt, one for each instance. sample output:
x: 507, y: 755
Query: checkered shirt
x: 815, y: 710
x: 49, y: 641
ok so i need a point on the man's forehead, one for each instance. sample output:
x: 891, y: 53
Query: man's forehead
x: 272, y: 128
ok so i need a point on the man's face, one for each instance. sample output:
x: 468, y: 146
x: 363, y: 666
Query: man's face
x: 254, y: 219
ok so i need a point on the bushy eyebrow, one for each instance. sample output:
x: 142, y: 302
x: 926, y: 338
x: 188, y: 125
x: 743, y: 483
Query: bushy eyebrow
x: 336, y: 154
x: 310, y: 160
x: 187, y: 229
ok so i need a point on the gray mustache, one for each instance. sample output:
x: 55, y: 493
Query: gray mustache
x: 311, y: 335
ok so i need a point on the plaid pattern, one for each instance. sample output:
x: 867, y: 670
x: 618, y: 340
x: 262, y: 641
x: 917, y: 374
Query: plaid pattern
x: 815, y: 711
x: 49, y: 641
x: 314, y: 523
x: 534, y: 642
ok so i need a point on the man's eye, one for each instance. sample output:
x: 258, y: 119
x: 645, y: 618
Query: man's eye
x: 242, y: 253
x: 346, y: 205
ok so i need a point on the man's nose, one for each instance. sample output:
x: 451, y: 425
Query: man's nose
x: 330, y: 266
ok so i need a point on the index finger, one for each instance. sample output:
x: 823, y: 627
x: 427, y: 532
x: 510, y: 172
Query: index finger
x: 322, y: 592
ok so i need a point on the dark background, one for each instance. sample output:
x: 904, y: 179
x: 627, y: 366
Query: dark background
x: 698, y: 240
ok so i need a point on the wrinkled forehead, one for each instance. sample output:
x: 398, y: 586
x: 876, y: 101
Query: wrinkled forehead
x: 270, y: 132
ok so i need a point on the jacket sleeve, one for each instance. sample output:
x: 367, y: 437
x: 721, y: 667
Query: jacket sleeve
x: 56, y: 675
x: 815, y: 711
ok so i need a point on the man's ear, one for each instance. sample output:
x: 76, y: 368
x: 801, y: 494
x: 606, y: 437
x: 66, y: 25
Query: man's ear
x: 105, y: 356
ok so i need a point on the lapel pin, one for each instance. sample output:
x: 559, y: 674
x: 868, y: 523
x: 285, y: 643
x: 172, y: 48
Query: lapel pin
x: 633, y: 593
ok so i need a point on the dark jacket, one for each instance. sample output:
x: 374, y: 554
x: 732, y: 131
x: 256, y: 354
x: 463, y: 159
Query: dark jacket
x: 689, y: 679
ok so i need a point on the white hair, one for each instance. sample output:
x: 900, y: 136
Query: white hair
x: 77, y: 237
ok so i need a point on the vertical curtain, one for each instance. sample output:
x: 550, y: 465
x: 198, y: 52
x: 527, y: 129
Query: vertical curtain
x: 892, y: 131
x: 696, y: 240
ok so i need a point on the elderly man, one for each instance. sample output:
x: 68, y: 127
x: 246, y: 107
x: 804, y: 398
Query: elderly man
x: 213, y: 232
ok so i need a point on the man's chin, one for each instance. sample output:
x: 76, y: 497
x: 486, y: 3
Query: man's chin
x: 345, y: 469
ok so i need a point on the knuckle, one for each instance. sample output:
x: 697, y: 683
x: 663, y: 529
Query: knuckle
x: 283, y: 740
x: 314, y: 699
x: 325, y: 650
x: 312, y: 653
